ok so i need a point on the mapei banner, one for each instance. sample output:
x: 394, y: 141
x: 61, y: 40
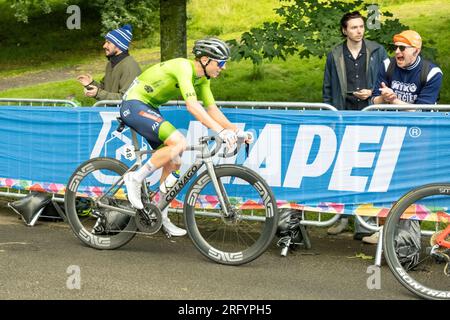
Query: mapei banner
x: 340, y: 162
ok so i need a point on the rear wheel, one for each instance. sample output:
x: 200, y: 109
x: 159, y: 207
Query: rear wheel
x: 96, y: 226
x: 419, y: 262
x: 249, y: 229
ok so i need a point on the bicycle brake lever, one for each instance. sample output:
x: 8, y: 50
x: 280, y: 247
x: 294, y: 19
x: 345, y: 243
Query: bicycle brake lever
x: 232, y: 153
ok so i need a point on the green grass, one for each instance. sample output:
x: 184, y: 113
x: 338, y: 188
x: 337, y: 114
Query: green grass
x: 45, y: 42
x: 235, y: 83
x: 52, y: 90
x: 218, y: 18
x: 291, y: 80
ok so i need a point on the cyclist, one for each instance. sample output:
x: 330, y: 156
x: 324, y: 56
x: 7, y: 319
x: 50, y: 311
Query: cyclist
x: 161, y: 83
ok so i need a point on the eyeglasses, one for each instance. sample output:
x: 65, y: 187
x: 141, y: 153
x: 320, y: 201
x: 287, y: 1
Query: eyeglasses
x: 220, y: 63
x: 402, y: 48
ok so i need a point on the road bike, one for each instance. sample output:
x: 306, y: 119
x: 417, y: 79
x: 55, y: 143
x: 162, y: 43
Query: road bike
x: 428, y: 274
x: 230, y: 212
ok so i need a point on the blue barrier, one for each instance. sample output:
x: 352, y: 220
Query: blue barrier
x: 340, y: 162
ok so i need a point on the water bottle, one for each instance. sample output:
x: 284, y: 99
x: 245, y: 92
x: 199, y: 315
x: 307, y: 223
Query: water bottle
x: 170, y: 181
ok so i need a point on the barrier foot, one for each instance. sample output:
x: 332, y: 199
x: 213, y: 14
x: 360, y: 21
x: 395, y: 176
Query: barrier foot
x: 379, y: 248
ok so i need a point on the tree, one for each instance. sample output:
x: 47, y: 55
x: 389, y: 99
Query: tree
x: 143, y: 15
x: 173, y: 28
x: 22, y: 8
x: 311, y: 28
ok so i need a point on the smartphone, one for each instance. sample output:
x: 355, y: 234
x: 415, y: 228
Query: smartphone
x: 89, y: 87
x: 350, y: 92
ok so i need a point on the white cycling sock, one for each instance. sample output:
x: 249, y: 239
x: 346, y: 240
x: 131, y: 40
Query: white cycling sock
x: 144, y: 171
x: 165, y: 214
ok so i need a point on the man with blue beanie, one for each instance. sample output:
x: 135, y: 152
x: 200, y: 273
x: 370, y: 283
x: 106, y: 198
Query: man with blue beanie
x: 121, y: 69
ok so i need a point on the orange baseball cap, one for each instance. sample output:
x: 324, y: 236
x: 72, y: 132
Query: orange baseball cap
x: 410, y: 37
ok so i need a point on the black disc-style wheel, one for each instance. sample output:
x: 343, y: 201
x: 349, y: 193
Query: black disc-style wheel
x: 95, y: 225
x: 252, y: 219
x: 411, y: 244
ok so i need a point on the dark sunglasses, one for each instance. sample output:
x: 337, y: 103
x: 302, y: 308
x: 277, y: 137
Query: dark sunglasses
x: 402, y: 48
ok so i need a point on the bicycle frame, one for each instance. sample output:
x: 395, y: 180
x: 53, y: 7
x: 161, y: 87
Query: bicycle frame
x: 205, y: 158
x: 230, y: 241
x: 176, y: 189
x: 440, y: 240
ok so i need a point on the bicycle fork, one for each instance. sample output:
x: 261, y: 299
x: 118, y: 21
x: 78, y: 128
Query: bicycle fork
x: 218, y: 186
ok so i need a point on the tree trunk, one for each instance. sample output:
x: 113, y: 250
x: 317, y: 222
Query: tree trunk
x: 173, y: 28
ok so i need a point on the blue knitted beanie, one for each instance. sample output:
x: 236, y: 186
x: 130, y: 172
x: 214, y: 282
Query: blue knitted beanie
x: 121, y: 37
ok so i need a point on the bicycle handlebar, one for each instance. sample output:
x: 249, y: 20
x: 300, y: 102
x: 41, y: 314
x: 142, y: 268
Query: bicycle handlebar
x: 240, y: 141
x: 219, y: 142
x: 204, y: 140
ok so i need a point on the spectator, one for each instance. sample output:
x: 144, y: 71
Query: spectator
x: 352, y: 67
x: 350, y: 73
x: 120, y: 71
x: 408, y: 78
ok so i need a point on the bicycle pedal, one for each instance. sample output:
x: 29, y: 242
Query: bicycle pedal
x: 96, y: 214
x: 284, y: 251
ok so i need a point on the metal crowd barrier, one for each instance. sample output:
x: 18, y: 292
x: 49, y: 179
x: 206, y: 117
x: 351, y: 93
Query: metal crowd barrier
x: 240, y: 104
x: 408, y: 107
x: 251, y: 105
x: 260, y: 105
x: 255, y: 105
x: 396, y: 108
x: 37, y: 102
x: 320, y: 222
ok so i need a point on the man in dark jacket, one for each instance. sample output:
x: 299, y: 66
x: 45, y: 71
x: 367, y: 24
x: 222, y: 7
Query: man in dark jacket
x: 350, y: 74
x: 120, y: 71
x: 352, y: 67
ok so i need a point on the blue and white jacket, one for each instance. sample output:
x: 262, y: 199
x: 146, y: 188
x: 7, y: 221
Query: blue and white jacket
x: 407, y: 85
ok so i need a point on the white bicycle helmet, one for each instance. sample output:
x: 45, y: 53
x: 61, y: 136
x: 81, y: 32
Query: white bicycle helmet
x: 211, y: 47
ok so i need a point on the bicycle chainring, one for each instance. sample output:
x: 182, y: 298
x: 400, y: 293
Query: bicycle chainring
x: 149, y: 220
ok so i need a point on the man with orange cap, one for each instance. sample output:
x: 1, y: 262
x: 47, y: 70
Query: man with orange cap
x: 407, y: 78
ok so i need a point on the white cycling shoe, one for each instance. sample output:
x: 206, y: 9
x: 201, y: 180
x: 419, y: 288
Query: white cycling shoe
x: 133, y: 190
x: 169, y: 227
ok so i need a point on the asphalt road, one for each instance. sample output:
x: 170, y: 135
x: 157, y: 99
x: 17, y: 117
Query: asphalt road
x: 37, y: 263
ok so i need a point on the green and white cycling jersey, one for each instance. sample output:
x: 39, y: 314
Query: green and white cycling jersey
x: 169, y: 80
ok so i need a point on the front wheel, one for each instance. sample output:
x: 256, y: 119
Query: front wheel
x: 410, y: 241
x: 98, y: 226
x: 253, y: 215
